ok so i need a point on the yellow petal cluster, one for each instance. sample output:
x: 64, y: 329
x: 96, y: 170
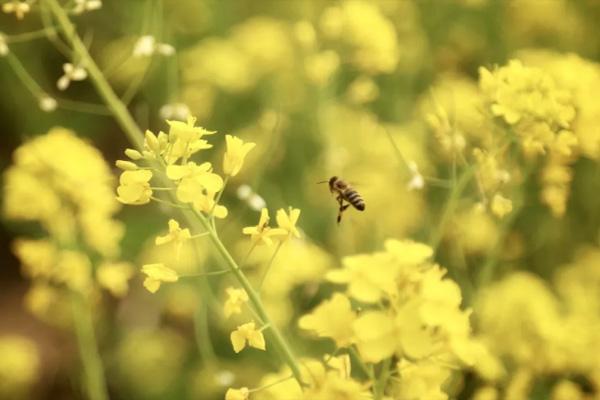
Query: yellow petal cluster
x: 236, y: 152
x: 157, y: 274
x: 236, y: 298
x: 247, y: 334
x: 262, y: 233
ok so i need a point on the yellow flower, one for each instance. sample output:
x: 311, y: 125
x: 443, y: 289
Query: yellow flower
x: 247, y: 333
x: 134, y: 187
x: 333, y: 318
x: 367, y: 276
x: 235, y: 154
x: 37, y: 257
x: 408, y: 252
x: 74, y: 269
x: 235, y: 300
x: 194, y: 180
x: 501, y: 205
x: 237, y: 394
x: 19, y: 366
x: 176, y: 235
x: 113, y: 276
x: 206, y: 204
x: 262, y: 233
x: 156, y: 274
x: 186, y: 131
x: 288, y: 221
x: 376, y: 336
x: 422, y: 380
x: 185, y: 139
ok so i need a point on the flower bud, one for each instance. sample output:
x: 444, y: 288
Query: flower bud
x: 133, y: 154
x: 126, y: 165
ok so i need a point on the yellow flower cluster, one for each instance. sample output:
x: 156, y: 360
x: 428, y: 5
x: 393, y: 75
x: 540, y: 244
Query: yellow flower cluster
x: 63, y: 183
x: 196, y: 184
x: 19, y: 366
x: 409, y: 311
x: 541, y: 113
x: 370, y: 37
x: 541, y: 330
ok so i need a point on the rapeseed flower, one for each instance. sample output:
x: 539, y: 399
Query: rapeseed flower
x: 236, y: 298
x: 114, y: 277
x: 262, y: 233
x: 242, y: 393
x: 287, y: 221
x: 333, y: 318
x: 237, y: 150
x: 157, y: 274
x: 134, y: 187
x: 176, y: 235
x: 247, y: 334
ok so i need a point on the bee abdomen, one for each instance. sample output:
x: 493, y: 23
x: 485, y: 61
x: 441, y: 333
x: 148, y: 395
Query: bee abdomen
x: 354, y: 198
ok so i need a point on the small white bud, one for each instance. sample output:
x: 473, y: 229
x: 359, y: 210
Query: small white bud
x: 244, y: 192
x: 47, y: 103
x: 256, y: 202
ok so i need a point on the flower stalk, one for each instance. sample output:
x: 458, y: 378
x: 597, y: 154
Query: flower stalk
x: 95, y: 382
x: 135, y: 135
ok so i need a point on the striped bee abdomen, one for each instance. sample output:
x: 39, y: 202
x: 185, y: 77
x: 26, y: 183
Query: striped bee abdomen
x: 354, y: 198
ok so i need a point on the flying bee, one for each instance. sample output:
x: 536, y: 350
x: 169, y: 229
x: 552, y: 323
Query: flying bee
x: 344, y: 193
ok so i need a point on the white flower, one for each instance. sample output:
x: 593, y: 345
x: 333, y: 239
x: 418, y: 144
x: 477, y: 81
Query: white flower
x: 47, y: 103
x: 82, y: 6
x: 416, y: 181
x: 72, y: 73
x: 147, y: 46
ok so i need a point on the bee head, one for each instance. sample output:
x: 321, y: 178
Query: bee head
x: 332, y: 180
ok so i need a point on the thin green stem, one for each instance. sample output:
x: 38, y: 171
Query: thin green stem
x: 202, y: 333
x: 210, y: 273
x: 79, y: 106
x: 450, y: 207
x: 26, y: 36
x: 93, y: 371
x: 360, y: 363
x: 384, y: 374
x: 128, y: 124
x: 24, y: 76
x: 268, y: 385
x: 268, y: 267
x: 276, y: 336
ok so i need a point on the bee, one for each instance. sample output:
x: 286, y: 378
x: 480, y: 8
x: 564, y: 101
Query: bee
x: 344, y: 193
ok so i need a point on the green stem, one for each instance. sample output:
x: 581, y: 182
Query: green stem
x: 276, y: 336
x: 354, y: 354
x: 384, y: 374
x: 202, y: 333
x: 135, y: 135
x: 128, y: 124
x: 268, y: 267
x: 451, y: 204
x: 95, y: 383
x: 23, y: 75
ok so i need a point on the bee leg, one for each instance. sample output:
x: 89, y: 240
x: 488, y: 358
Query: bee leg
x: 343, y: 208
